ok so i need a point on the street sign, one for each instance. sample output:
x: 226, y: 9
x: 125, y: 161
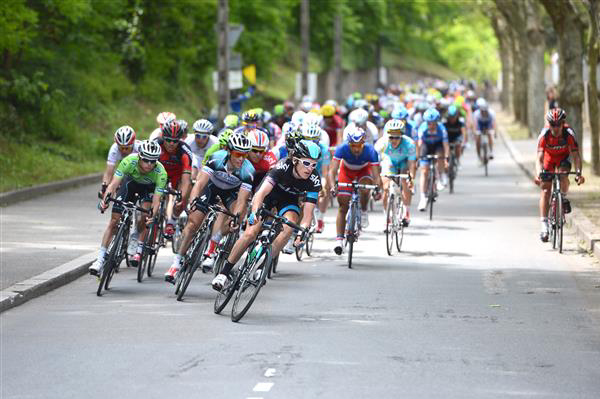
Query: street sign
x: 234, y: 34
x: 235, y: 80
x: 235, y: 61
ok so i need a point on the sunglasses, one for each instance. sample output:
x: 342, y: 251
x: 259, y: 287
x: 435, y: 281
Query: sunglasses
x: 357, y: 145
x: 150, y: 161
x: 257, y: 151
x: 201, y: 136
x: 395, y: 137
x: 124, y: 148
x: 171, y: 140
x: 237, y: 154
x: 308, y: 164
x: 555, y: 124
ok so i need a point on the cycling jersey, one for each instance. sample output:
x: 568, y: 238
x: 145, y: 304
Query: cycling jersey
x: 556, y: 149
x: 129, y: 168
x: 483, y: 122
x: 440, y: 134
x: 261, y: 168
x: 454, y: 129
x: 274, y: 131
x: 324, y: 159
x: 372, y: 134
x: 331, y: 126
x: 395, y: 160
x: 115, y: 156
x: 197, y: 152
x: 353, y: 167
x: 209, y: 153
x: 411, y: 130
x: 176, y: 164
x: 286, y: 185
x: 224, y: 179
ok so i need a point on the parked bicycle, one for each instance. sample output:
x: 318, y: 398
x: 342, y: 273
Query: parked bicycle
x: 394, y: 228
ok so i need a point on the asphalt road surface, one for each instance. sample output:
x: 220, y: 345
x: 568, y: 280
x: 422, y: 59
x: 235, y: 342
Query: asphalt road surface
x: 474, y: 307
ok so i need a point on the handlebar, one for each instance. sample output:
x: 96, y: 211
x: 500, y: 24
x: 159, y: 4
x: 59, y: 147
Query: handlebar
x: 264, y: 212
x: 176, y: 193
x: 129, y: 205
x: 359, y: 185
x: 403, y: 176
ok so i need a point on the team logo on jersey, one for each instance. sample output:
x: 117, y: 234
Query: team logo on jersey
x: 315, y: 179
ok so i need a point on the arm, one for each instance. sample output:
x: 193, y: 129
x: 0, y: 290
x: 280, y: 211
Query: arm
x: 186, y: 185
x: 201, y: 182
x: 539, y: 161
x: 463, y: 130
x: 307, y: 214
x: 333, y: 169
x: 577, y: 159
x: 108, y: 173
x: 261, y: 194
x: 239, y: 207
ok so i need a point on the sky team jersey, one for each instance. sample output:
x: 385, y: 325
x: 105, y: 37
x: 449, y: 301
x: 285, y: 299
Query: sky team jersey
x: 157, y: 176
x: 176, y: 164
x: 406, y: 151
x: 281, y: 177
x: 197, y: 152
x: 483, y: 122
x: 224, y: 179
x: 115, y: 156
x: 350, y: 161
x: 557, y: 148
x: 266, y: 163
x: 440, y: 134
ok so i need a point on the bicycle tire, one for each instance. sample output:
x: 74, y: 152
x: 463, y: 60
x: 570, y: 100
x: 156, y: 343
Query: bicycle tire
x: 273, y: 268
x: 552, y: 220
x: 224, y: 253
x: 559, y: 223
x: 485, y: 158
x: 224, y: 296
x: 350, y: 235
x: 248, y: 287
x: 451, y: 174
x: 299, y: 252
x: 431, y: 195
x: 389, y: 225
x: 192, y: 264
x: 108, y: 270
x: 148, y: 244
x: 153, y: 254
x: 399, y: 232
x: 310, y: 240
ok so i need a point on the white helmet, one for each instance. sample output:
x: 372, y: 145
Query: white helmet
x: 311, y: 132
x: 258, y: 139
x: 238, y: 142
x: 124, y: 135
x: 165, y: 117
x: 312, y: 118
x: 395, y: 125
x: 306, y: 106
x: 481, y: 104
x: 288, y: 128
x: 359, y: 116
x: 298, y: 117
x: 149, y: 150
x: 203, y: 126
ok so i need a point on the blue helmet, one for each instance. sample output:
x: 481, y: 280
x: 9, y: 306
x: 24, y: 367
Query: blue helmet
x: 431, y: 115
x: 452, y: 110
x: 400, y: 113
x: 355, y: 134
x: 307, y: 149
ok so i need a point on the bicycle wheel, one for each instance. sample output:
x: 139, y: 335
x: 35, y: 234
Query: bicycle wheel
x: 485, y: 158
x: 192, y: 263
x: 108, y: 270
x: 251, y: 282
x: 431, y: 196
x: 451, y: 174
x: 389, y: 225
x: 310, y: 240
x: 399, y: 225
x: 273, y: 268
x: 224, y: 296
x: 552, y: 220
x: 146, y: 251
x: 558, y: 216
x: 350, y: 228
x: 224, y: 252
x: 300, y: 252
x: 153, y: 254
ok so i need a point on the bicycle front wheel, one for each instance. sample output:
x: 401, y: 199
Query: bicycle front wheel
x: 485, y: 158
x: 110, y: 262
x: 559, y: 223
x: 251, y: 282
x: 431, y: 195
x: 310, y: 240
x: 300, y: 252
x: 399, y: 225
x: 351, y: 227
x: 389, y: 225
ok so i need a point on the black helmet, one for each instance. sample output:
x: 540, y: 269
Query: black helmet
x: 307, y: 149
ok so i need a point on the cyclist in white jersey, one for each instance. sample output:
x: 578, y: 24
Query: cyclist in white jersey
x: 125, y: 144
x: 200, y: 142
x: 161, y: 119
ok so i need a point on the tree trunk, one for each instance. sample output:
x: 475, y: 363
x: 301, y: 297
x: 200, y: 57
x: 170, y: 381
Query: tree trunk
x: 535, y: 83
x: 569, y: 30
x: 502, y: 33
x: 593, y: 9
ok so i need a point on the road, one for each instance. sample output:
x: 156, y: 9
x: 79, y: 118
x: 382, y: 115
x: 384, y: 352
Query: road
x: 474, y: 307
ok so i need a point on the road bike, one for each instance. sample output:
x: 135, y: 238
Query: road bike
x: 353, y: 217
x: 432, y: 193
x: 247, y: 280
x: 556, y: 212
x: 394, y: 228
x: 179, y: 226
x: 452, y: 166
x: 117, y: 249
x: 309, y: 238
x: 484, y: 144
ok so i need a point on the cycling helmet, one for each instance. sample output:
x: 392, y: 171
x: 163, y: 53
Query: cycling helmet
x: 291, y: 134
x: 278, y: 110
x: 165, y: 117
x: 355, y: 134
x: 172, y: 130
x: 555, y: 116
x: 312, y: 118
x: 258, y: 139
x: 184, y: 125
x: 307, y: 149
x: 452, y: 111
x: 231, y: 121
x: 400, y: 113
x: 298, y: 117
x: 250, y: 117
x: 431, y: 115
x: 311, y: 132
x: 470, y: 94
x: 395, y: 127
x: 238, y: 142
x: 266, y: 117
x: 359, y: 116
x: 203, y: 126
x: 288, y: 128
x: 332, y: 103
x: 306, y: 106
x: 124, y: 135
x: 224, y: 136
x: 481, y: 104
x: 149, y: 150
x: 328, y: 110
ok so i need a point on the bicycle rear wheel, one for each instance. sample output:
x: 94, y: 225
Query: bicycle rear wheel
x: 399, y: 225
x: 154, y: 252
x: 451, y: 174
x: 558, y: 215
x: 351, y: 226
x: 389, y: 225
x: 310, y: 240
x: 552, y: 221
x: 485, y: 157
x: 224, y: 296
x: 300, y: 252
x: 431, y: 196
x: 251, y: 282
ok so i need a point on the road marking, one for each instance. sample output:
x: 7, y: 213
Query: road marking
x: 263, y: 387
x: 252, y: 397
x: 270, y: 373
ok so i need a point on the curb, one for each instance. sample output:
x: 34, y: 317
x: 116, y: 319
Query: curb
x: 24, y: 291
x: 577, y: 221
x: 12, y: 197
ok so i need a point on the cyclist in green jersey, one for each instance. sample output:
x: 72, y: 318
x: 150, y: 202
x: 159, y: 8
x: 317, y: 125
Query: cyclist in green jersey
x: 138, y: 175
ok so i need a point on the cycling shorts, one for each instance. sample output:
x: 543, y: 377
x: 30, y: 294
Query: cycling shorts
x: 211, y: 194
x: 282, y: 202
x: 348, y: 176
x: 430, y: 149
x: 551, y: 164
x: 132, y: 191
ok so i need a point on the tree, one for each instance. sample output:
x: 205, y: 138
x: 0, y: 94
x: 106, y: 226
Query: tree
x: 593, y: 9
x: 535, y: 81
x: 503, y: 34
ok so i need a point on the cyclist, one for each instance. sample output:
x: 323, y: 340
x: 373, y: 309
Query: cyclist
x: 398, y: 155
x: 139, y: 176
x: 282, y: 188
x: 124, y: 145
x: 410, y: 130
x: 221, y: 144
x: 355, y: 160
x: 484, y: 119
x: 457, y: 132
x: 200, y: 142
x: 231, y: 121
x: 290, y: 136
x: 332, y: 123
x: 433, y: 139
x: 261, y: 158
x: 176, y: 157
x: 226, y: 176
x: 359, y: 118
x: 250, y: 120
x: 556, y: 146
x: 161, y: 119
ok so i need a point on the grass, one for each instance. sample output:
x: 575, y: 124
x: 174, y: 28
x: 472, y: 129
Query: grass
x: 416, y: 64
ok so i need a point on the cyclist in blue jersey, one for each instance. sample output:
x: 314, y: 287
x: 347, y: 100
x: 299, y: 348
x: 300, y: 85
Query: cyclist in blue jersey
x: 410, y: 130
x: 484, y: 119
x: 398, y: 155
x: 433, y: 140
x: 356, y: 161
x: 226, y: 176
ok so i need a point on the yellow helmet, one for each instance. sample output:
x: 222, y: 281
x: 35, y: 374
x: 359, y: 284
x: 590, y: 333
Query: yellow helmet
x: 327, y: 110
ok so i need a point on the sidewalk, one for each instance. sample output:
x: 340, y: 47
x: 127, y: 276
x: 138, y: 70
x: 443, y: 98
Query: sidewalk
x: 585, y: 199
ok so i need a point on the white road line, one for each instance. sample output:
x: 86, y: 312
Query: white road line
x: 270, y: 373
x: 263, y: 387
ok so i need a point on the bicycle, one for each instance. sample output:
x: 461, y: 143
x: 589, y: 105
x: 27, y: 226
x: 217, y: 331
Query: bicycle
x: 117, y: 249
x: 395, y: 225
x: 452, y: 166
x: 353, y: 217
x: 484, y: 150
x: 431, y: 183
x: 556, y: 214
x: 309, y: 239
x: 179, y: 226
x: 195, y: 252
x: 248, y: 279
x: 155, y: 238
